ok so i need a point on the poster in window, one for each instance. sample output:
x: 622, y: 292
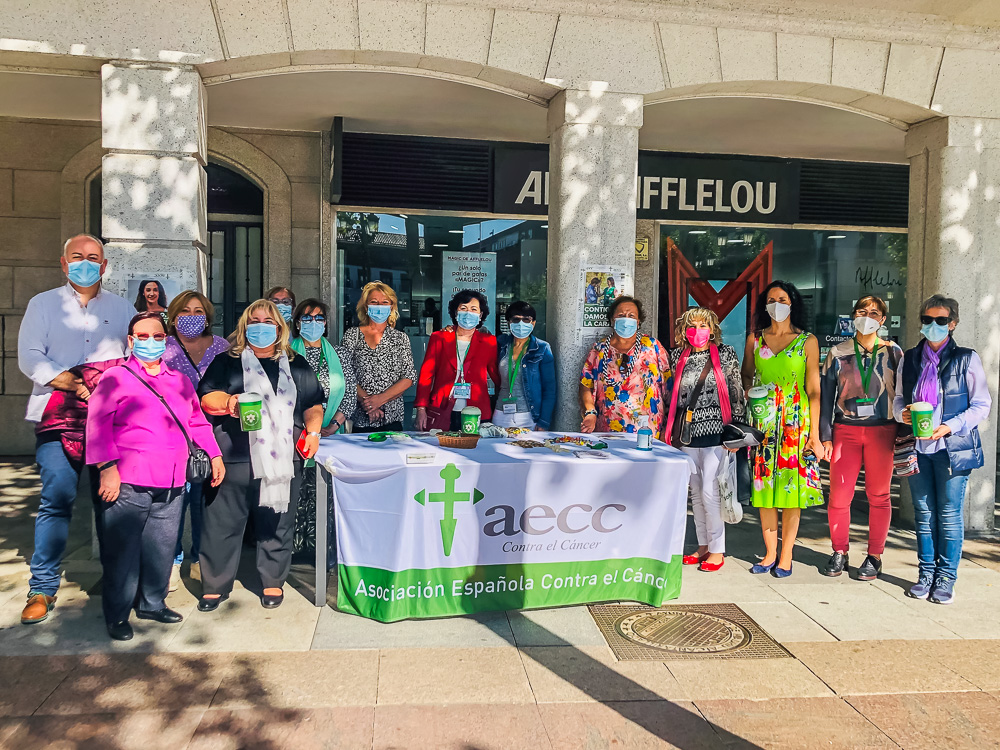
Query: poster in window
x: 599, y: 286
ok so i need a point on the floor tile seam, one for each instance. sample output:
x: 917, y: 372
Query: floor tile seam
x: 524, y: 669
x: 74, y: 668
x: 871, y: 723
x: 716, y: 730
x: 811, y: 619
x: 545, y: 727
x: 225, y: 669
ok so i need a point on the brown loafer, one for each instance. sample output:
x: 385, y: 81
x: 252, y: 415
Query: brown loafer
x: 38, y: 607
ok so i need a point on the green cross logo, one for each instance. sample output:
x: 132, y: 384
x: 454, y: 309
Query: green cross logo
x: 449, y: 497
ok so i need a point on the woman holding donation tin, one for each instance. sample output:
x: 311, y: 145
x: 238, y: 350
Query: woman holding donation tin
x: 781, y: 375
x: 266, y: 405
x: 944, y: 394
x: 527, y: 395
x: 457, y: 365
x: 707, y: 395
x: 858, y: 429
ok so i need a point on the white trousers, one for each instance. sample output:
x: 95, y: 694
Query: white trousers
x: 705, y: 501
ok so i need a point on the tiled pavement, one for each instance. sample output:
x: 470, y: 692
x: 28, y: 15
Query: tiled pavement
x: 871, y: 668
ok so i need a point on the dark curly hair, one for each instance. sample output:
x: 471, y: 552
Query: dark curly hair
x: 762, y: 320
x: 619, y: 301
x: 467, y: 295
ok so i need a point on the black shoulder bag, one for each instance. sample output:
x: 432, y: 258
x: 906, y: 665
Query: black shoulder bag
x: 199, y: 465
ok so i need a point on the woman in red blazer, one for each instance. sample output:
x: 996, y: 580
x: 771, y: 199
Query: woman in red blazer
x: 456, y: 365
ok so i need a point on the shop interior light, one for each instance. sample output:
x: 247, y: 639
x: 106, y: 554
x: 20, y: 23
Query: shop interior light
x: 747, y: 238
x: 735, y: 242
x: 440, y: 244
x: 697, y: 231
x: 545, y: 226
x: 722, y: 239
x: 456, y: 231
x: 426, y: 255
x: 837, y: 237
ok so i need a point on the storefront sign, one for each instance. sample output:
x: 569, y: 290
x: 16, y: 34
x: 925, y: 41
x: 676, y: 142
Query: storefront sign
x: 669, y: 186
x: 476, y: 271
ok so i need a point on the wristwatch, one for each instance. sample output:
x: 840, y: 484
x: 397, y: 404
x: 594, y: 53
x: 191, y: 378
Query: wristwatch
x: 313, y: 434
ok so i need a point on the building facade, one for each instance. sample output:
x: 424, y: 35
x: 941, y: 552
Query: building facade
x: 556, y: 153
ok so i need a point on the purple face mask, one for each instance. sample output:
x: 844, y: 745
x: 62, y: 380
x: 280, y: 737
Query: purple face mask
x: 191, y: 326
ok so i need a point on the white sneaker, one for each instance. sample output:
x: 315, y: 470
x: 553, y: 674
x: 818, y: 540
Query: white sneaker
x: 175, y: 579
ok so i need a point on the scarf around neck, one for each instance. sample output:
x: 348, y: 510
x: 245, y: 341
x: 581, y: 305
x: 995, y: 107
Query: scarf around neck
x: 338, y: 385
x: 272, y: 447
x: 927, y: 384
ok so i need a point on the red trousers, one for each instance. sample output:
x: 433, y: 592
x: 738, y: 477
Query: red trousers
x: 852, y: 447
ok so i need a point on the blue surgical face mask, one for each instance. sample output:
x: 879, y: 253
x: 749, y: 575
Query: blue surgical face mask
x: 626, y: 327
x: 521, y: 329
x: 285, y: 309
x: 262, y: 335
x: 84, y: 272
x: 312, y: 330
x: 379, y: 313
x: 467, y: 319
x: 149, y: 350
x: 934, y: 332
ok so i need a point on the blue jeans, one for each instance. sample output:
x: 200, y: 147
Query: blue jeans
x: 193, y: 499
x: 938, y: 496
x: 60, y: 481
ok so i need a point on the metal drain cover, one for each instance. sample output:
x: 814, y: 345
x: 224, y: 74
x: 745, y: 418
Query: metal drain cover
x: 636, y: 632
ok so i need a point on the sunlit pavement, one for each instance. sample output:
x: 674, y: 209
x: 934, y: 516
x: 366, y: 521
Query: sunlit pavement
x: 871, y: 668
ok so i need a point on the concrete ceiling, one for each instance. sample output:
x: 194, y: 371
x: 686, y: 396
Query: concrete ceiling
x: 768, y: 127
x: 418, y: 105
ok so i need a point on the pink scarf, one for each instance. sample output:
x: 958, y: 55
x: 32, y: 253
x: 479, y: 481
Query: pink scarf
x: 720, y: 384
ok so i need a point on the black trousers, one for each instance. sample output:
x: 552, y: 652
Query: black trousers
x: 137, y: 534
x: 236, y: 500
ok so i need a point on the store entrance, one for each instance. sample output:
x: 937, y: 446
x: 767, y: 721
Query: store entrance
x: 726, y: 268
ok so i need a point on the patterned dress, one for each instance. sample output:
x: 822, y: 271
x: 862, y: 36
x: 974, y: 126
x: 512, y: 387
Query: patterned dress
x: 629, y: 385
x: 782, y: 477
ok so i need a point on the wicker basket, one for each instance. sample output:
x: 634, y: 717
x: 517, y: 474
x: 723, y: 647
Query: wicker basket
x: 465, y: 442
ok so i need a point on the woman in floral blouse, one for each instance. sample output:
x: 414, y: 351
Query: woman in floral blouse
x: 625, y: 376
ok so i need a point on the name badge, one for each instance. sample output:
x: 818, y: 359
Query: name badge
x: 866, y: 408
x: 462, y: 391
x: 510, y: 408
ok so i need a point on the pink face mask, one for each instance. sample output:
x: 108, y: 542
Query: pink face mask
x: 698, y: 337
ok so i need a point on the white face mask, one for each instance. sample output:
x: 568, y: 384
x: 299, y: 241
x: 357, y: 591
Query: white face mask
x: 778, y: 311
x: 865, y: 325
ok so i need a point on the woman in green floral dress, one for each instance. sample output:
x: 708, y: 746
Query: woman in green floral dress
x: 781, y: 357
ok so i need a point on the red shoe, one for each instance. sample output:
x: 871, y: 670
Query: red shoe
x: 693, y: 559
x: 707, y: 567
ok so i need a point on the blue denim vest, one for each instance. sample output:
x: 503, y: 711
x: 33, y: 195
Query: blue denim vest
x: 964, y: 452
x: 538, y: 371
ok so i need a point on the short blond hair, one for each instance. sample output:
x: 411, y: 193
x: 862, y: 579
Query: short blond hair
x: 238, y: 338
x: 702, y: 314
x: 181, y: 301
x: 369, y: 289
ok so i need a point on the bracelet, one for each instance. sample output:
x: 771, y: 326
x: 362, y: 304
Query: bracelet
x: 590, y: 412
x: 313, y: 434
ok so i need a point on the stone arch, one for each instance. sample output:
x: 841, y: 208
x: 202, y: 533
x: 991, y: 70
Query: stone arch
x: 246, y: 159
x: 76, y: 177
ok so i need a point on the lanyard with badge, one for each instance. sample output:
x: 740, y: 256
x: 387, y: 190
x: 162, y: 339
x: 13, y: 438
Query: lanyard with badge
x: 513, y: 369
x: 461, y: 391
x: 866, y: 405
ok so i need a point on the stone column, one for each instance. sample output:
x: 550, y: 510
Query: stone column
x: 593, y: 161
x: 154, y: 182
x: 954, y: 249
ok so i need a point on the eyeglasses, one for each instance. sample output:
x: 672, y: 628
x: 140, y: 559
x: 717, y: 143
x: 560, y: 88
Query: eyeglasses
x: 941, y: 320
x: 148, y: 336
x: 312, y: 318
x: 280, y: 301
x: 522, y: 319
x: 867, y: 314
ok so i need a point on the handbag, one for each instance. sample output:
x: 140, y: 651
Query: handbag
x: 199, y: 465
x: 682, y: 427
x: 726, y: 477
x: 741, y: 435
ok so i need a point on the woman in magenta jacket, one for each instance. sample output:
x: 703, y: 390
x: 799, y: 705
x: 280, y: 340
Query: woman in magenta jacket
x: 456, y: 366
x: 142, y: 454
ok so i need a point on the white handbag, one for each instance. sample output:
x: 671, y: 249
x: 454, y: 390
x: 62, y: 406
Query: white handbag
x: 732, y: 511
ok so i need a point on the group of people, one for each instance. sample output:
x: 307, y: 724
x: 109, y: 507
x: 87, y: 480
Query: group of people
x: 853, y: 411
x: 149, y: 404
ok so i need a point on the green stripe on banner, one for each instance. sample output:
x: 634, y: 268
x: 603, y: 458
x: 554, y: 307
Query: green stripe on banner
x: 388, y: 596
